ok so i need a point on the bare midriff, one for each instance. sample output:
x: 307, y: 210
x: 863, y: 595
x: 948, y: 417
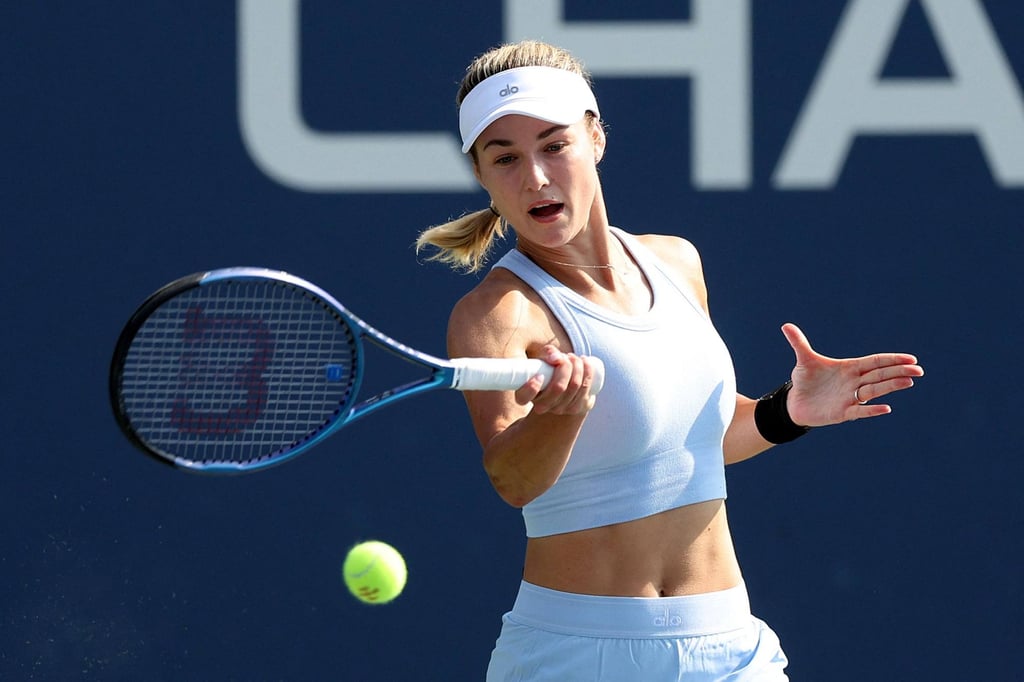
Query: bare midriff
x: 681, y: 551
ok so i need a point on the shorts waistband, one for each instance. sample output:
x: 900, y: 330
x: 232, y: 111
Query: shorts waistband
x: 631, y: 617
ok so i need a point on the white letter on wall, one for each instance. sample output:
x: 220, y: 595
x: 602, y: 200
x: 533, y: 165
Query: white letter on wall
x: 287, y: 150
x: 848, y: 98
x: 713, y: 49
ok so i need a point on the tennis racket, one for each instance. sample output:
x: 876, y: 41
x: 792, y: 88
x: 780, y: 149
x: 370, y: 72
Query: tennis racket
x: 243, y: 368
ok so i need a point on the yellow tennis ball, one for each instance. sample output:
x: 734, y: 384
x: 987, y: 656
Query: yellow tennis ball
x: 374, y: 572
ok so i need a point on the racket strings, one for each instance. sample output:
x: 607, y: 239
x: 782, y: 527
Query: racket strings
x: 234, y: 372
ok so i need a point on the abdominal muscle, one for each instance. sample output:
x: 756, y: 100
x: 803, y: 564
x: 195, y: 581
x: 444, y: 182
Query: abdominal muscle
x: 681, y: 551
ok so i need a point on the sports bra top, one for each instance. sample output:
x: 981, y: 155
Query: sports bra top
x: 653, y: 440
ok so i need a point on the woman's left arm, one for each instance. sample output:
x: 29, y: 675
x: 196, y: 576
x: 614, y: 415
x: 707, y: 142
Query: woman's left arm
x: 829, y: 391
x: 825, y: 391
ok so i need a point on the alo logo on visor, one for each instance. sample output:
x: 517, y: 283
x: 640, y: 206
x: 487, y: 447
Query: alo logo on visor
x: 508, y: 90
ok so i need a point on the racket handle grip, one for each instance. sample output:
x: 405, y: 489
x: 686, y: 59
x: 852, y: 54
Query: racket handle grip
x: 501, y: 374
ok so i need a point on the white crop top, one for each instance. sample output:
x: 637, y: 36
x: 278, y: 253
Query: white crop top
x: 653, y: 441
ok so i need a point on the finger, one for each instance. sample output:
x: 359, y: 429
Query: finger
x: 873, y: 391
x: 797, y: 340
x: 526, y: 393
x: 553, y: 392
x: 891, y: 372
x: 575, y: 397
x: 570, y: 395
x: 881, y: 360
x: 586, y: 398
x: 867, y: 411
x: 590, y: 377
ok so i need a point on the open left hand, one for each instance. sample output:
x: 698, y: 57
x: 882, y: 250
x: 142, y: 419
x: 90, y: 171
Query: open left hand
x: 829, y: 390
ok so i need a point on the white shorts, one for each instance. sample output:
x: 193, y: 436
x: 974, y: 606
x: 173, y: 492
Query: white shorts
x: 563, y: 637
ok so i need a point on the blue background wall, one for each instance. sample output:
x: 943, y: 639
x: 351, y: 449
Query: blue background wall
x: 888, y: 549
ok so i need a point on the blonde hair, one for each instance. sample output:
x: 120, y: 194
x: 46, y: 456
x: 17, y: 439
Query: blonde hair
x: 465, y: 242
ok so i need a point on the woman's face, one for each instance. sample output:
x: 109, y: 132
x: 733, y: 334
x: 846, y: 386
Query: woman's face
x: 542, y: 177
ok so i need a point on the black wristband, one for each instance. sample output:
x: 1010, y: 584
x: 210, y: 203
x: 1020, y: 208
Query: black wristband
x: 771, y: 415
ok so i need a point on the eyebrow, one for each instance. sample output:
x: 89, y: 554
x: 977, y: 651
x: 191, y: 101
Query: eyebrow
x: 547, y: 132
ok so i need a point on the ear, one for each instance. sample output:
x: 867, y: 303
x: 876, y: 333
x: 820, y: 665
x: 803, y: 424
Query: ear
x: 599, y: 141
x: 476, y: 173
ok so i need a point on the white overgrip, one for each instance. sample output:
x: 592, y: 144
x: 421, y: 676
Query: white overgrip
x: 502, y: 374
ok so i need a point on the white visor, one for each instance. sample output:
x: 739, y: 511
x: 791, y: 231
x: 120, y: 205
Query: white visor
x: 554, y: 95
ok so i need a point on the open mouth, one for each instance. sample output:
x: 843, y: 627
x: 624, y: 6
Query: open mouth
x: 546, y: 210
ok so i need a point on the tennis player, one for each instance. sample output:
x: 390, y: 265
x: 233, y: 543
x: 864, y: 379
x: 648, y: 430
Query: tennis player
x: 630, y: 572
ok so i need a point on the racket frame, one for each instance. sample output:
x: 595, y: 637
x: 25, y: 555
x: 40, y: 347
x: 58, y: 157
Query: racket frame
x: 462, y: 374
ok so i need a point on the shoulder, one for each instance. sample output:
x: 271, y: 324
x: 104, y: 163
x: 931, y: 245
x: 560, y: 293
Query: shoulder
x: 499, y: 317
x: 682, y: 260
x: 494, y: 300
x: 674, y: 251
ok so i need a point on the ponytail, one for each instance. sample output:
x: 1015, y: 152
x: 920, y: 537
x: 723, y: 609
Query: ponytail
x: 464, y: 243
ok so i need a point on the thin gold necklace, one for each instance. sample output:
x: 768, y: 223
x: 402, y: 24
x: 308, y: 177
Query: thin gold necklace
x: 607, y: 266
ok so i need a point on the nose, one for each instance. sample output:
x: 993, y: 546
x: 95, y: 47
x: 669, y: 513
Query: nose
x: 535, y: 175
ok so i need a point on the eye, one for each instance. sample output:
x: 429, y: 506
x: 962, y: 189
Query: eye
x: 557, y: 146
x: 504, y: 160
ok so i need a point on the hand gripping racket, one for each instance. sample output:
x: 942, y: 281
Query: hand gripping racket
x: 242, y: 368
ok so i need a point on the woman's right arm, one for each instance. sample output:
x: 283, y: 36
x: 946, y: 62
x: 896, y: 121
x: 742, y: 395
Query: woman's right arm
x: 527, y: 435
